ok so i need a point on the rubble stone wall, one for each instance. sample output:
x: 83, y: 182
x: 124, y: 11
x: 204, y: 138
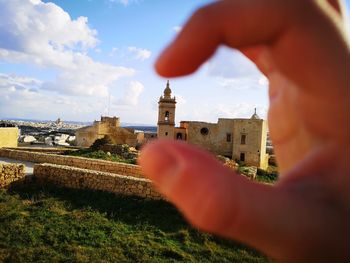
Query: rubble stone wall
x: 80, y: 162
x: 77, y: 178
x: 10, y: 173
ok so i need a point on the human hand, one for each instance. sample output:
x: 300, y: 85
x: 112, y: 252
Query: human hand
x: 300, y: 46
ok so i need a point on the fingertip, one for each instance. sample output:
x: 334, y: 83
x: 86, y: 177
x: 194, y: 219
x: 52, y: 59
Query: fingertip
x: 173, y: 62
x: 161, y: 65
x: 155, y: 159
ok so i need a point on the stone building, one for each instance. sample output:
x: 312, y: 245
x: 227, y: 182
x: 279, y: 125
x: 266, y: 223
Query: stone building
x: 9, y: 136
x: 239, y: 139
x: 109, y: 126
x: 166, y: 114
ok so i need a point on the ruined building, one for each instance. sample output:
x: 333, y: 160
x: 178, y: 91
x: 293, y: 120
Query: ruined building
x: 239, y: 139
x: 108, y: 126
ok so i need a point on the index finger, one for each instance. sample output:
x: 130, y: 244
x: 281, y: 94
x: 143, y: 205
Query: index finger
x: 298, y: 32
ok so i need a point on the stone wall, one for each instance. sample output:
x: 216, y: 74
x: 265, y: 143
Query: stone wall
x: 77, y: 178
x: 80, y: 162
x: 10, y: 173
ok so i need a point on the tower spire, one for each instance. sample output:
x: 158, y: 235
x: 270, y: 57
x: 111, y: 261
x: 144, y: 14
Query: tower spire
x: 255, y: 116
x: 167, y: 91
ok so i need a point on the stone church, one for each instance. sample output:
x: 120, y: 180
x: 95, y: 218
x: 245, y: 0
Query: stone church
x: 239, y: 139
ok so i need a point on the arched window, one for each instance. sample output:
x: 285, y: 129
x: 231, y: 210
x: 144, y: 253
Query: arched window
x: 179, y: 136
x: 166, y: 117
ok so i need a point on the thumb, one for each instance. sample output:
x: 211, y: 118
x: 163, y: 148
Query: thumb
x: 216, y: 199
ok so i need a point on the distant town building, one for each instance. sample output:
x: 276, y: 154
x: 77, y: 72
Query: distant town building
x: 240, y: 139
x: 59, y: 121
x: 8, y: 136
x: 108, y: 126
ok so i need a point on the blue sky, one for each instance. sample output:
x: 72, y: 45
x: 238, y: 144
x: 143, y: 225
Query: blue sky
x: 81, y: 59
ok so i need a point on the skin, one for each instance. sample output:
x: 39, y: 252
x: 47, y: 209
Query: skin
x: 301, y: 47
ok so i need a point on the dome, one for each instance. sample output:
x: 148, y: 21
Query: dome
x: 255, y: 116
x: 167, y: 91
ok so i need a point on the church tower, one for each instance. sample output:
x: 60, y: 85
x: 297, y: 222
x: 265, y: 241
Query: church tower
x: 166, y: 114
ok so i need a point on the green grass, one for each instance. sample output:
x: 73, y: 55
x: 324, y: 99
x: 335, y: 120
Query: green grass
x: 62, y: 225
x: 88, y: 153
x: 268, y: 176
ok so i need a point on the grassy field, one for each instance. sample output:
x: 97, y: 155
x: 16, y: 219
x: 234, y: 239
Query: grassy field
x: 62, y: 225
x: 88, y: 153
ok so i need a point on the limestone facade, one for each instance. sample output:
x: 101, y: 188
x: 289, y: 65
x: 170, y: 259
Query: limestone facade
x: 240, y: 139
x: 249, y: 142
x: 9, y: 136
x: 109, y: 126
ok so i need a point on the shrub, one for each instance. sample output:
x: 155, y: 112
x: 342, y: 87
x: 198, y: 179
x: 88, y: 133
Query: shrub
x: 100, y: 142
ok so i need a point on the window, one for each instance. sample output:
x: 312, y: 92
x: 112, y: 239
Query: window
x: 166, y: 133
x: 166, y: 117
x: 243, y: 138
x: 228, y: 137
x: 242, y: 157
x: 204, y: 131
x: 179, y: 136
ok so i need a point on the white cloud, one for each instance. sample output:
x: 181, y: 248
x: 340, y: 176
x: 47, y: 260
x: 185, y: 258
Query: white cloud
x: 93, y: 79
x: 177, y: 29
x: 14, y: 82
x: 233, y: 70
x: 132, y: 93
x: 140, y: 53
x: 43, y: 34
x: 243, y: 83
x: 263, y: 81
x: 113, y: 51
x: 30, y: 29
x: 210, y: 113
x: 240, y: 110
x: 228, y: 63
x: 130, y: 53
x: 22, y: 98
x: 124, y: 2
x: 180, y: 100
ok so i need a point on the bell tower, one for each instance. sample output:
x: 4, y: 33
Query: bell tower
x: 166, y: 114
